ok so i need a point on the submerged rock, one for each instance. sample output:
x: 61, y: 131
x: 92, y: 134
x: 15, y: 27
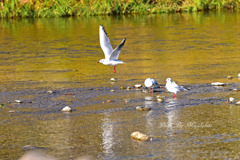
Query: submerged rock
x: 146, y: 108
x: 11, y: 111
x: 66, y: 109
x: 108, y: 101
x: 139, y: 136
x: 149, y: 98
x: 2, y: 105
x: 30, y: 147
x: 122, y: 88
x: 229, y: 77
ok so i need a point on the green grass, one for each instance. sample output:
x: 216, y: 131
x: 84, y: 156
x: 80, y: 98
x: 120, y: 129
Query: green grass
x: 60, y: 8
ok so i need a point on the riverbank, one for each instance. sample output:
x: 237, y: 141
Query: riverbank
x: 60, y: 8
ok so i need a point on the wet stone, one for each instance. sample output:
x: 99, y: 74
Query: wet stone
x: 18, y: 101
x: 235, y: 89
x: 51, y: 92
x: 11, y: 111
x: 218, y: 84
x: 113, y: 80
x: 66, y: 109
x: 229, y: 77
x: 2, y: 105
x: 31, y: 147
x: 138, y: 85
x: 139, y: 136
x: 140, y: 108
x: 148, y: 98
x: 146, y: 108
x: 160, y: 98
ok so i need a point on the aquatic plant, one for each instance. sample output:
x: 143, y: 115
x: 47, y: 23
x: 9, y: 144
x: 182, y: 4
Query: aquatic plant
x: 59, y: 8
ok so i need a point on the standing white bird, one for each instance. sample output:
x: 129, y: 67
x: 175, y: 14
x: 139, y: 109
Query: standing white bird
x: 231, y: 100
x: 173, y: 87
x: 150, y: 83
x: 111, y: 56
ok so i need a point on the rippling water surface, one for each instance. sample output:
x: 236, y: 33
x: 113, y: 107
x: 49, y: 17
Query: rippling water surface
x: 61, y: 54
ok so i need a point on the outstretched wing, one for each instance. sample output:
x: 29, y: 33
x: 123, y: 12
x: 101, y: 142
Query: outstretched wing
x: 115, y: 53
x: 105, y: 42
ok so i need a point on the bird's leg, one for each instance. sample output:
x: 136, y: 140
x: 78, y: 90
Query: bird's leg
x: 115, y: 69
x: 174, y: 95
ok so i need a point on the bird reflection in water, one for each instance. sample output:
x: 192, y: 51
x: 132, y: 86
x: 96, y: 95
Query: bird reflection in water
x: 107, y: 135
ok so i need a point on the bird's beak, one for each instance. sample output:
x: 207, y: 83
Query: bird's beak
x: 227, y: 101
x: 98, y: 62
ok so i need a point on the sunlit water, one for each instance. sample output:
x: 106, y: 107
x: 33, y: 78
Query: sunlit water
x: 61, y: 54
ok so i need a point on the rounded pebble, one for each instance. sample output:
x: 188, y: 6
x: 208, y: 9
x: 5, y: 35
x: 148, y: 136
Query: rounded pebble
x: 235, y: 89
x: 238, y: 102
x: 146, y: 108
x: 139, y: 136
x: 218, y: 84
x: 160, y: 98
x: 50, y: 92
x: 138, y: 85
x: 11, y: 111
x: 229, y: 77
x: 113, y: 80
x: 139, y: 108
x: 18, y: 101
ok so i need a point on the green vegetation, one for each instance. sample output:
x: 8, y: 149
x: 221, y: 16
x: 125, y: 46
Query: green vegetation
x: 58, y: 8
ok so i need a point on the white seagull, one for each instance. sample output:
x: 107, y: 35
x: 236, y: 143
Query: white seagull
x: 173, y: 87
x: 150, y: 83
x: 111, y: 56
x: 231, y: 100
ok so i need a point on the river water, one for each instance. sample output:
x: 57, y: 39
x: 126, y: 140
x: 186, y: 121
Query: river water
x: 61, y: 55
